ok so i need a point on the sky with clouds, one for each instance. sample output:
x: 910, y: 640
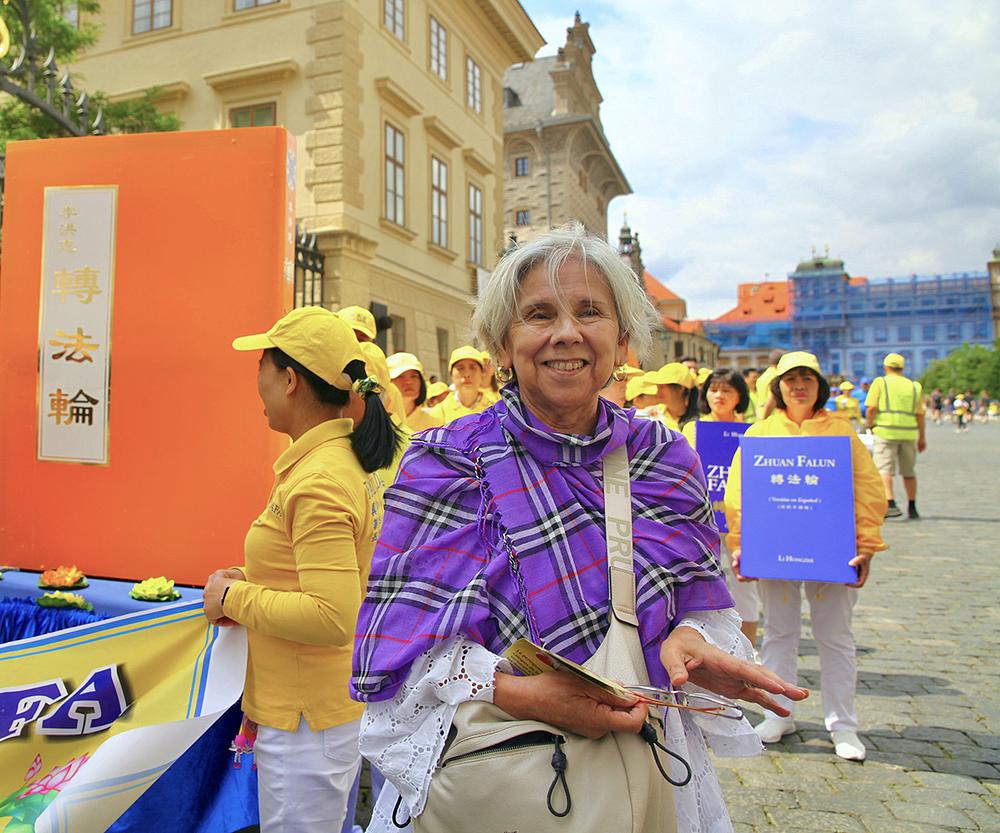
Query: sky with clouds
x: 752, y: 131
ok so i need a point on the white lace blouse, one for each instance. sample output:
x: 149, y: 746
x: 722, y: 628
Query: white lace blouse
x: 404, y: 737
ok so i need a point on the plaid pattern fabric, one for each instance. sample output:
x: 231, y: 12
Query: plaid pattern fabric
x: 497, y: 487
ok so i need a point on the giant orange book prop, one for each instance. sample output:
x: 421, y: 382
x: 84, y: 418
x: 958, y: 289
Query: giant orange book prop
x: 132, y: 440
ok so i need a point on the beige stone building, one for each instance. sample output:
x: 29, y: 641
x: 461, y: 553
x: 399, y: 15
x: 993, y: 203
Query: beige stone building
x: 558, y: 165
x: 993, y: 266
x: 397, y: 109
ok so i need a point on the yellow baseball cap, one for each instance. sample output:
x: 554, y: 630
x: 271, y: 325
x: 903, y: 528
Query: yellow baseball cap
x: 316, y: 338
x: 436, y: 389
x: 466, y: 351
x: 360, y: 319
x: 399, y: 363
x: 798, y: 358
x: 638, y: 386
x: 703, y: 374
x: 894, y: 360
x: 628, y: 372
x: 673, y: 373
x: 375, y: 362
x: 845, y: 385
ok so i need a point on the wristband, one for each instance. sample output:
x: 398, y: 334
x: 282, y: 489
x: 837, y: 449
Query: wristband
x: 222, y: 601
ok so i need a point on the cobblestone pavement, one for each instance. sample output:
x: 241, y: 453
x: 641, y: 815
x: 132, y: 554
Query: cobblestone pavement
x: 928, y: 631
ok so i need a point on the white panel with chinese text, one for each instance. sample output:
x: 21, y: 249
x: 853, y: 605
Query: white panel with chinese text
x: 74, y: 347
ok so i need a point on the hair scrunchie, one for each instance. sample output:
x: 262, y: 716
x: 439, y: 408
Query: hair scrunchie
x: 366, y: 386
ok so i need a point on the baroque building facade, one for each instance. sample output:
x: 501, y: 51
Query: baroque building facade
x: 558, y: 164
x: 397, y: 111
x: 850, y: 323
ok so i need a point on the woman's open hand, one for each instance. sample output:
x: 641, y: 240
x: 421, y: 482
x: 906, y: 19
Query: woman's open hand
x: 689, y: 658
x: 561, y: 699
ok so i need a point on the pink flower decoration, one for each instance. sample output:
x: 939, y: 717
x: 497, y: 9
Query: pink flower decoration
x: 57, y: 778
x: 34, y: 769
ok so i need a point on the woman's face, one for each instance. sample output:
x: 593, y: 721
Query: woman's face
x: 563, y: 347
x: 799, y: 388
x: 467, y: 375
x: 408, y: 383
x: 674, y: 399
x: 722, y: 398
x: 272, y: 387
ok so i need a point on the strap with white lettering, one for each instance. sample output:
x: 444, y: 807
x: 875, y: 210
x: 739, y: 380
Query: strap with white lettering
x: 618, y: 532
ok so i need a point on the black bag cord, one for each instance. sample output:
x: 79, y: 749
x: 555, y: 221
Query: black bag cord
x: 559, y: 765
x: 395, y: 821
x: 648, y: 734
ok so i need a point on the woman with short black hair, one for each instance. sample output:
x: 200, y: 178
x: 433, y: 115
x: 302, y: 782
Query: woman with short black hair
x: 800, y: 391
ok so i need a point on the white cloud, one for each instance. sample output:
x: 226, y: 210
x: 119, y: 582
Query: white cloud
x: 752, y: 131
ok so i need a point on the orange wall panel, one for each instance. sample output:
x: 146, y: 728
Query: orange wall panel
x: 204, y: 252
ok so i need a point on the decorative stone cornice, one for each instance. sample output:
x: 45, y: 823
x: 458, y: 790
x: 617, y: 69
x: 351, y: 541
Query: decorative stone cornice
x: 475, y: 161
x: 399, y: 98
x: 165, y: 93
x: 255, y: 74
x: 436, y: 128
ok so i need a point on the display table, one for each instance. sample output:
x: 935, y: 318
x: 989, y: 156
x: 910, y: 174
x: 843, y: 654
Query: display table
x: 108, y: 596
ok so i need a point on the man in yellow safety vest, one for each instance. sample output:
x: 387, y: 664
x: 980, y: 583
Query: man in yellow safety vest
x: 895, y: 415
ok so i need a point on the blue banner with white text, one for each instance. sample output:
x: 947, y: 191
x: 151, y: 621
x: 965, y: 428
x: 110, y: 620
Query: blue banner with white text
x: 716, y: 444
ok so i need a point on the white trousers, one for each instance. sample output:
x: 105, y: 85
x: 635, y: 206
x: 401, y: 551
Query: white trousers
x: 744, y: 593
x: 304, y: 778
x: 830, y: 609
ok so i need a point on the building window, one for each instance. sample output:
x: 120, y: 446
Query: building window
x: 858, y: 335
x: 71, y: 13
x: 473, y: 86
x: 395, y: 171
x: 930, y: 332
x: 881, y: 335
x: 475, y: 225
x: 150, y: 15
x: 904, y: 332
x: 858, y: 364
x: 521, y: 166
x: 254, y: 115
x: 439, y: 203
x: 439, y: 49
x: 954, y: 330
x: 523, y: 217
x: 243, y: 5
x: 393, y: 17
x: 929, y: 356
x: 398, y: 333
x: 981, y: 329
x: 444, y: 352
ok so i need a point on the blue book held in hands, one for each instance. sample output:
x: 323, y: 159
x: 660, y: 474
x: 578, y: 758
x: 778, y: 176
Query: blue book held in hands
x: 798, y: 509
x: 716, y: 444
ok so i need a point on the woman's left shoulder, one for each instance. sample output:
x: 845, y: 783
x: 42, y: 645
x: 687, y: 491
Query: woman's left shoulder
x: 651, y: 439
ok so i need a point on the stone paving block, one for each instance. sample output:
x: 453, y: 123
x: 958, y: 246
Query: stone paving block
x: 957, y: 766
x: 937, y: 734
x: 807, y: 767
x: 900, y: 759
x: 948, y: 781
x: 846, y: 802
x: 946, y: 798
x: 748, y: 814
x: 780, y: 781
x: 986, y: 819
x: 971, y: 752
x: 932, y: 814
x: 896, y: 826
x: 739, y: 827
x: 815, y: 820
x: 912, y: 747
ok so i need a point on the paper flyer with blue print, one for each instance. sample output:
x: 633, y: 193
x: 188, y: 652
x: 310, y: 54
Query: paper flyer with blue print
x: 798, y: 508
x: 716, y: 444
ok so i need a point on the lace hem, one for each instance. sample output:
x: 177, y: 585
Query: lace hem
x: 403, y: 737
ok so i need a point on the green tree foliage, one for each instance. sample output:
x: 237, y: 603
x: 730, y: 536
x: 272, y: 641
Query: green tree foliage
x: 970, y: 367
x: 20, y: 121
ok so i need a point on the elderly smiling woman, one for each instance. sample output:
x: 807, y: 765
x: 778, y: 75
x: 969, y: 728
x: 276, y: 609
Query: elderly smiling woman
x: 495, y: 530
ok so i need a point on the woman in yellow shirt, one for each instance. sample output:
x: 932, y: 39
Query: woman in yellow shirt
x: 306, y: 563
x: 799, y: 392
x: 407, y: 374
x: 725, y: 397
x: 468, y: 377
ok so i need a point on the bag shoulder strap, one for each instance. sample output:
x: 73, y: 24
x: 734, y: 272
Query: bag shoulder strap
x: 618, y: 533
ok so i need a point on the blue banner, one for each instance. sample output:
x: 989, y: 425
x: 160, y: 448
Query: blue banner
x: 798, y: 508
x: 716, y: 444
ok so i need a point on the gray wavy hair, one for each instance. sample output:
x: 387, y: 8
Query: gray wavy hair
x: 497, y: 307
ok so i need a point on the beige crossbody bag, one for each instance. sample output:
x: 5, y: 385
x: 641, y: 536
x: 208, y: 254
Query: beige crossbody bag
x: 501, y: 775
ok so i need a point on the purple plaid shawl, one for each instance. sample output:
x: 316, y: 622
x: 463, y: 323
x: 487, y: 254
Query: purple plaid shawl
x: 499, y: 482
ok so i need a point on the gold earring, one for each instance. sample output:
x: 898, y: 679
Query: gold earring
x: 619, y: 374
x: 504, y: 375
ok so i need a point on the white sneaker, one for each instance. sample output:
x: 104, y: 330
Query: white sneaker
x: 848, y: 746
x: 774, y: 729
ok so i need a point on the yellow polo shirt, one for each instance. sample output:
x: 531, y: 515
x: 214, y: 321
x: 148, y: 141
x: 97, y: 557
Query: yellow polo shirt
x: 451, y: 408
x: 420, y: 419
x: 307, y: 560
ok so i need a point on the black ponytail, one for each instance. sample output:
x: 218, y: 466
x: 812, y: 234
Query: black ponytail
x: 376, y: 439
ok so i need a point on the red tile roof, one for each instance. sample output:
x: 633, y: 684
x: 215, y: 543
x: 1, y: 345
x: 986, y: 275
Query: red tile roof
x: 764, y: 301
x: 657, y: 290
